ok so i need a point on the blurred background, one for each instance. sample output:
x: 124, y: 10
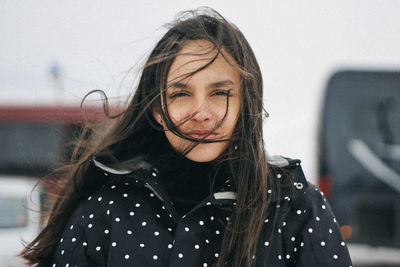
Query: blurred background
x: 332, y: 89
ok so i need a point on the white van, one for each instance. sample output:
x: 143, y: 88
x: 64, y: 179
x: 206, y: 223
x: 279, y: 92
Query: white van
x: 19, y: 216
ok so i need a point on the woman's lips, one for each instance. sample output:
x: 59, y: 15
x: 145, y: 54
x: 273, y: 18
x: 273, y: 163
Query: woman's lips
x: 206, y: 135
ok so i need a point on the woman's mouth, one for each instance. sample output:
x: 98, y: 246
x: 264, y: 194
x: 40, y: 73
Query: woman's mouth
x: 202, y: 134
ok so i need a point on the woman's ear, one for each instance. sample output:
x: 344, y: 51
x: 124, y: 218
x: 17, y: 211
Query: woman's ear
x: 157, y: 114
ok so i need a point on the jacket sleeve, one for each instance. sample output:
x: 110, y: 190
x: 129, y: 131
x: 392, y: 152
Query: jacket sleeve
x: 322, y: 242
x: 81, y: 243
x: 100, y: 231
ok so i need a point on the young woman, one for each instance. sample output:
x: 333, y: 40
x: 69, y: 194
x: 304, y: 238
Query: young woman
x: 182, y: 178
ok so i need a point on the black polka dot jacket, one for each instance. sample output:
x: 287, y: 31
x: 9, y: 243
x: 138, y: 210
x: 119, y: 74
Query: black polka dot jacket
x: 130, y: 221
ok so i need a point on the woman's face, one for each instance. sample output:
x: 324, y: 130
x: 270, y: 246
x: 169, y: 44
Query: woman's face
x: 198, y: 103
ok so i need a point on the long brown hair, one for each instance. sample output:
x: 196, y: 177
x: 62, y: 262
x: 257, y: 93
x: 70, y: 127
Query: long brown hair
x: 135, y: 131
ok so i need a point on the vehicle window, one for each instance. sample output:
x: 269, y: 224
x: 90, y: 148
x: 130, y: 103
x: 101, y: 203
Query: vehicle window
x: 378, y: 123
x: 361, y: 111
x: 13, y: 212
x: 29, y: 147
x: 388, y: 116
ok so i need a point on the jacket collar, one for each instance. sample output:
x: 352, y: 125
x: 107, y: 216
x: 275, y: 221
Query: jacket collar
x: 225, y: 192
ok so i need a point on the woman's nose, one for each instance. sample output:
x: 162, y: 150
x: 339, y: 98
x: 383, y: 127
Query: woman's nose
x: 202, y: 113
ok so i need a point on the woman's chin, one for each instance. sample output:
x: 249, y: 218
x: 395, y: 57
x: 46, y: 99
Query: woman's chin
x: 206, y: 152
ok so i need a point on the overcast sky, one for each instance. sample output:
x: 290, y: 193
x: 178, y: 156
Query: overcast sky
x: 95, y: 44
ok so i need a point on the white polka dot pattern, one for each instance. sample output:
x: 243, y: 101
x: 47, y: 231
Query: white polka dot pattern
x: 128, y: 223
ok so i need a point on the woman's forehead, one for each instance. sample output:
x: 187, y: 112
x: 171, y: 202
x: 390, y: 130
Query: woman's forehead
x: 195, y: 55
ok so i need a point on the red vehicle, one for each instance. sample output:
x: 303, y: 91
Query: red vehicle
x: 35, y: 139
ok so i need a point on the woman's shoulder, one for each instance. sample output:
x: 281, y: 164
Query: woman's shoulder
x: 111, y: 199
x: 289, y: 176
x: 288, y: 182
x: 305, y: 219
x: 122, y: 189
x: 295, y: 189
x: 116, y: 194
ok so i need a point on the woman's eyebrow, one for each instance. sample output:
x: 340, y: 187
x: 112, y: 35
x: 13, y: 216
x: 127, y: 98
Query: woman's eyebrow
x: 220, y: 84
x: 213, y: 85
x: 177, y: 85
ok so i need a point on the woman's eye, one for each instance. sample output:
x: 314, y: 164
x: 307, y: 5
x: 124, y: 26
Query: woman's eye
x: 223, y: 93
x: 178, y: 94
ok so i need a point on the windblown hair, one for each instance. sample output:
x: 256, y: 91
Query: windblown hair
x: 135, y: 130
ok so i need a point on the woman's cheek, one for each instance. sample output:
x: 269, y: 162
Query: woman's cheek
x: 176, y: 117
x: 176, y: 111
x: 180, y: 114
